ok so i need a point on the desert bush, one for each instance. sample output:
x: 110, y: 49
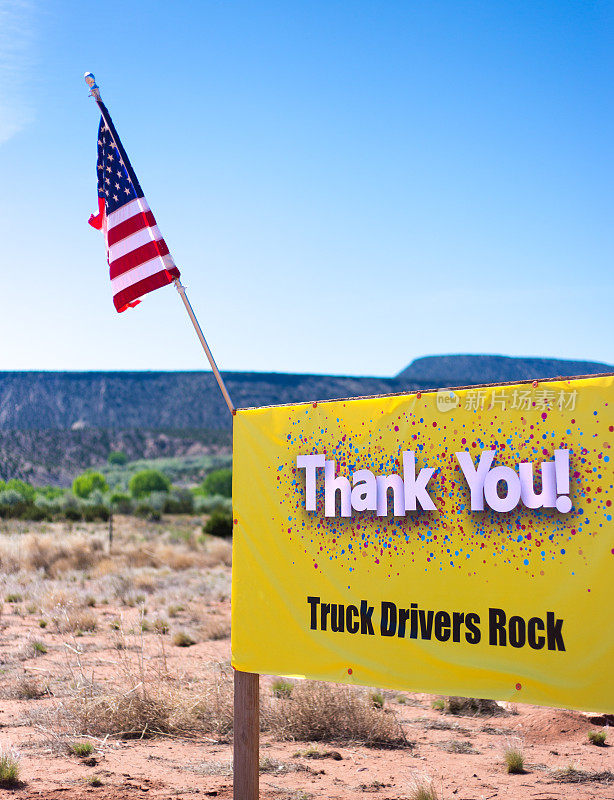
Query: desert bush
x: 84, y: 485
x: 325, y: 712
x: 217, y: 551
x: 204, y: 504
x: 473, y: 707
x: 597, y: 737
x: 91, y: 513
x: 377, y: 699
x: 422, y: 789
x: 218, y: 482
x: 218, y: 524
x: 117, y: 458
x: 216, y: 629
x: 12, y: 503
x: 179, y: 501
x: 120, y: 502
x: 81, y: 749
x: 9, y: 767
x: 54, y: 555
x: 147, y: 481
x: 145, y: 705
x: 145, y: 511
x: 22, y: 488
x: 281, y: 688
x: 514, y: 760
x: 182, y: 639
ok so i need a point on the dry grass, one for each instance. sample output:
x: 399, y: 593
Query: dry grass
x: 473, y: 707
x: 422, y: 789
x: 514, y: 760
x: 572, y: 775
x: 9, y: 768
x: 144, y: 710
x: 215, y: 629
x: 324, y: 712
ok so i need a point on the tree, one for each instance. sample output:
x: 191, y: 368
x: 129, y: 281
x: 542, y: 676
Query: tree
x: 219, y: 482
x: 85, y: 484
x: 25, y: 490
x: 118, y: 458
x: 147, y: 481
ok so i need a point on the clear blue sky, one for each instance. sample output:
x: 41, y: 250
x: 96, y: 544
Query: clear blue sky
x: 345, y: 185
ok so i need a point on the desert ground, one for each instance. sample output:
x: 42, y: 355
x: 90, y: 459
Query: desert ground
x: 115, y: 682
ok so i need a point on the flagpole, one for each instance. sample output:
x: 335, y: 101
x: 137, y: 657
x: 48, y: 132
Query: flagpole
x: 220, y: 381
x: 95, y: 93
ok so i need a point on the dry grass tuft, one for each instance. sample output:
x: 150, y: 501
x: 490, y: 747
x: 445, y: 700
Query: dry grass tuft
x: 216, y: 629
x: 514, y: 760
x: 9, y: 767
x: 473, y: 707
x: 572, y: 775
x: 597, y: 738
x: 324, y: 712
x: 422, y: 789
x: 54, y: 555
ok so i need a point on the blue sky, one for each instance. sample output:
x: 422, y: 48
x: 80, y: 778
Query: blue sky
x: 345, y: 185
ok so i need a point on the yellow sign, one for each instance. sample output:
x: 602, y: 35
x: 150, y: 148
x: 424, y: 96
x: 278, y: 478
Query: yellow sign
x: 453, y: 542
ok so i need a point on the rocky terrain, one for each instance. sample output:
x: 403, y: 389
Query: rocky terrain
x: 56, y: 424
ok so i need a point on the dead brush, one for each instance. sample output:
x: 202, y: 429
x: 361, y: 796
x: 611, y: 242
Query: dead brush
x: 217, y: 552
x: 319, y: 712
x: 215, y: 629
x: 71, y: 619
x: 144, y: 700
x: 54, y: 555
x: 473, y: 707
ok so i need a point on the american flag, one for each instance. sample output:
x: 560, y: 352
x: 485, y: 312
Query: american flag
x: 138, y: 257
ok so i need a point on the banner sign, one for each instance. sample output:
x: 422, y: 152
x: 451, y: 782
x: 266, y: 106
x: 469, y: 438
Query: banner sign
x: 457, y: 542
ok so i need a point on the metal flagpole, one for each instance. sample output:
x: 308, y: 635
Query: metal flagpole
x: 220, y: 381
x: 95, y: 93
x: 246, y: 733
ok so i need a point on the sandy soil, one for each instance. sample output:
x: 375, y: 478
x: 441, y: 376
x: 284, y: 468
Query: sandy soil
x: 44, y: 651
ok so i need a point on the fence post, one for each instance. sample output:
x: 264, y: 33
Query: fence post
x: 246, y: 735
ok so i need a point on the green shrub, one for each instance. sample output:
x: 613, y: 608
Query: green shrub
x: 24, y: 489
x: 183, y: 639
x: 210, y: 503
x: 34, y: 513
x: 118, y: 458
x: 82, y: 749
x: 147, y: 481
x: 73, y: 514
x: 145, y: 511
x: 281, y: 688
x: 218, y: 524
x: 377, y: 699
x: 120, y: 502
x: 91, y: 513
x: 179, y: 501
x: 9, y: 767
x: 218, y: 482
x: 597, y: 737
x: 85, y: 484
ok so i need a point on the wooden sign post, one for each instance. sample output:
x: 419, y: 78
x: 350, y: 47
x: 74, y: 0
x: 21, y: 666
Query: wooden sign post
x: 246, y: 736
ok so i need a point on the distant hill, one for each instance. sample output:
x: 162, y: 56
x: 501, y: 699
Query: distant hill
x: 466, y: 370
x: 55, y: 424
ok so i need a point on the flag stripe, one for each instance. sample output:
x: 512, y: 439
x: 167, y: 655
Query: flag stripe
x: 121, y: 299
x: 125, y: 212
x: 141, y: 272
x: 130, y: 226
x: 136, y: 257
x: 137, y: 239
